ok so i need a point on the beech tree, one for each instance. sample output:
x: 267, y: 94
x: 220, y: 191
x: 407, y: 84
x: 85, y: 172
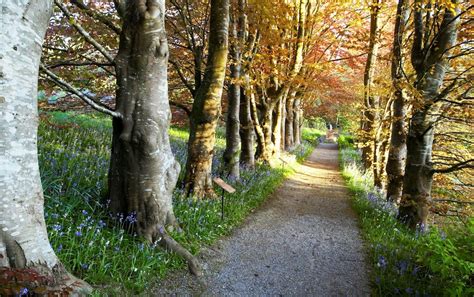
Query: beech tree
x: 143, y: 171
x: 397, y: 150
x: 207, y: 106
x: 431, y: 45
x: 369, y: 112
x: 26, y: 257
x: 231, y: 153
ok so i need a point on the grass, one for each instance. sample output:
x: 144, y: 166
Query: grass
x: 74, y: 156
x: 406, y: 262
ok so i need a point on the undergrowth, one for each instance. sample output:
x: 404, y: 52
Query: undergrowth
x: 74, y: 151
x: 406, y: 262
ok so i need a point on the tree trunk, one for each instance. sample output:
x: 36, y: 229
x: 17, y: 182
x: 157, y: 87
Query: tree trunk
x: 297, y: 122
x: 290, y: 116
x: 369, y: 103
x: 283, y: 124
x: 143, y: 171
x: 261, y: 144
x: 276, y: 127
x: 206, y: 106
x: 26, y: 257
x: 397, y: 152
x: 247, y: 153
x: 265, y: 146
x: 431, y: 66
x: 231, y: 153
x: 380, y: 145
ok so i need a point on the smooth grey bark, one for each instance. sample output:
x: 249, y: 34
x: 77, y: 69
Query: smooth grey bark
x: 395, y: 167
x: 232, y: 150
x: 430, y: 61
x: 290, y: 115
x: 206, y: 107
x: 143, y: 171
x: 247, y: 136
x: 26, y: 257
x: 297, y: 121
x: 369, y: 112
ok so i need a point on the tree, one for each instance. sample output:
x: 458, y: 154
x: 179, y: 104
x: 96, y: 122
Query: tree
x: 143, y: 172
x: 231, y: 153
x: 397, y: 149
x: 369, y: 112
x: 206, y: 107
x: 431, y: 44
x: 26, y: 257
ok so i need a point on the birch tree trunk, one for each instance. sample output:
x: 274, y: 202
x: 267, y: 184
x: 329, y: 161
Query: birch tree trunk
x: 430, y: 60
x: 207, y: 105
x: 397, y: 152
x: 231, y: 153
x: 26, y: 257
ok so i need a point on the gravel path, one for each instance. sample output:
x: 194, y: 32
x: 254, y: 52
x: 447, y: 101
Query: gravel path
x: 304, y: 241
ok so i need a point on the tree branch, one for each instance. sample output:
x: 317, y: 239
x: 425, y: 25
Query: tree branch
x: 98, y: 16
x: 456, y: 167
x: 181, y: 106
x: 84, y: 33
x: 87, y: 99
x: 182, y: 77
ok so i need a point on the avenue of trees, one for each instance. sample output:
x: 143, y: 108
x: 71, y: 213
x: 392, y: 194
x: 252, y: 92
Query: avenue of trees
x: 262, y: 66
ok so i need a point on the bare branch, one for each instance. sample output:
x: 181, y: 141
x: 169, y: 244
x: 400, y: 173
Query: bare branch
x: 181, y: 106
x: 456, y: 167
x: 84, y: 33
x: 96, y: 15
x: 87, y: 99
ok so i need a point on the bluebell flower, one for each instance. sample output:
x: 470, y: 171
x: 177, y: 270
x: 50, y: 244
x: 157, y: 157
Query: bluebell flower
x: 85, y: 266
x: 84, y: 212
x: 101, y: 224
x: 24, y: 292
x: 382, y: 262
x: 57, y: 227
x: 60, y: 248
x: 78, y: 233
x: 402, y: 266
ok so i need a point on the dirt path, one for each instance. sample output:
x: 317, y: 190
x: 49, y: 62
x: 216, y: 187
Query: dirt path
x: 304, y: 241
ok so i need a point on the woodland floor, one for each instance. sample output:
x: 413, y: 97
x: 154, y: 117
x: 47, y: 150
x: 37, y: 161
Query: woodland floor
x: 304, y: 241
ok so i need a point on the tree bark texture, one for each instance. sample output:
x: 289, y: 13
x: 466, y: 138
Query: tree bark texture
x: 290, y: 116
x: 247, y: 136
x: 143, y: 171
x: 397, y: 153
x: 369, y: 111
x: 297, y: 121
x: 232, y: 150
x: 283, y: 124
x: 207, y: 104
x: 27, y: 259
x: 429, y: 58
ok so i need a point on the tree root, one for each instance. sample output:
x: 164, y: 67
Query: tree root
x: 170, y: 243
